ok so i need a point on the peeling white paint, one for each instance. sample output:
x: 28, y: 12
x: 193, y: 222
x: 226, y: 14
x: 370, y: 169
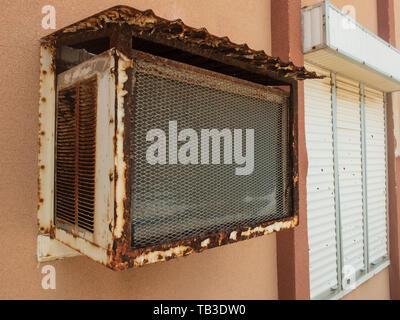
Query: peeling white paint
x: 233, y: 235
x: 271, y: 228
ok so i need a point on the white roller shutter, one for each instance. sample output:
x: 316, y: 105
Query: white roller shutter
x: 349, y: 146
x: 320, y: 185
x: 346, y: 125
x: 376, y: 175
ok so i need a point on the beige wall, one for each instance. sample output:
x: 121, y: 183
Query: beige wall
x: 243, y: 270
x: 365, y: 11
x: 376, y: 288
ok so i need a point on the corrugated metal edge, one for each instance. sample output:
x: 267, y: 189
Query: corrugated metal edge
x: 146, y: 22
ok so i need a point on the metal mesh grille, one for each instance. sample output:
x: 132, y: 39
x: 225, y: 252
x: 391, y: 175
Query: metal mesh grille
x: 173, y: 202
x: 75, y: 155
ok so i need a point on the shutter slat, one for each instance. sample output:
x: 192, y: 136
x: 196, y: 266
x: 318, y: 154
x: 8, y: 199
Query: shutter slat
x: 350, y: 172
x: 320, y: 186
x: 376, y: 174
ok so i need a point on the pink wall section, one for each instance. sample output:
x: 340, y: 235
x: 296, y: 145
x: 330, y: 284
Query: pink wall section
x: 243, y: 270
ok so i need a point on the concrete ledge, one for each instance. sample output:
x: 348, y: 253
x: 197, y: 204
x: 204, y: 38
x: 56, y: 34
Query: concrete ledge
x: 49, y: 249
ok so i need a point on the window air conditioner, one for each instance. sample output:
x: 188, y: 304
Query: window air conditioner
x: 153, y: 148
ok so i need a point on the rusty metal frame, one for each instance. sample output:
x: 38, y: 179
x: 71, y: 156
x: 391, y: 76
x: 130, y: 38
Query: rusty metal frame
x: 121, y: 24
x: 125, y: 257
x: 118, y: 255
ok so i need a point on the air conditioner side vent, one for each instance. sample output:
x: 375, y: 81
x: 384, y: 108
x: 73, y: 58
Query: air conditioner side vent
x: 75, y: 165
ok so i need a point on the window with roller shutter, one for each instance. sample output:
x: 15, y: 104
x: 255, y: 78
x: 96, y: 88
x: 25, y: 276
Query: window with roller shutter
x: 346, y: 183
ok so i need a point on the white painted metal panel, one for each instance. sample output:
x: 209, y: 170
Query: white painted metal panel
x: 320, y: 185
x: 313, y: 28
x: 349, y: 148
x: 349, y: 49
x: 376, y: 174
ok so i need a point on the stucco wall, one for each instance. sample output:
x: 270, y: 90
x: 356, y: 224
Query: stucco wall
x: 365, y: 11
x: 243, y: 270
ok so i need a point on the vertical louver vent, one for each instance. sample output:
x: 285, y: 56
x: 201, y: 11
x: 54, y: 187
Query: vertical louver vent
x: 75, y: 155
